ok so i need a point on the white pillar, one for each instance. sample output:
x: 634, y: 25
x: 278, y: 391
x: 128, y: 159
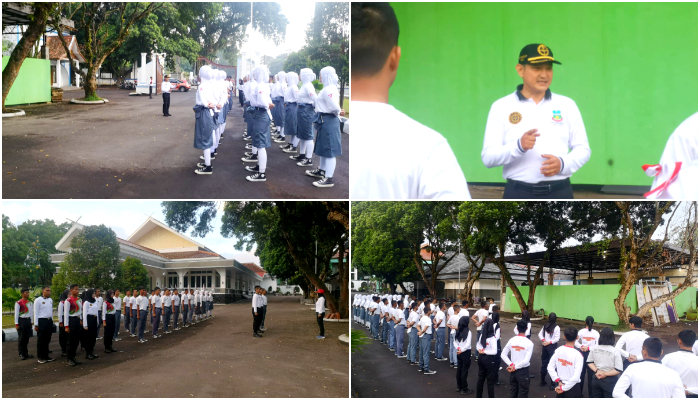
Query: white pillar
x: 222, y: 277
x: 58, y: 73
x: 181, y: 273
x: 77, y: 76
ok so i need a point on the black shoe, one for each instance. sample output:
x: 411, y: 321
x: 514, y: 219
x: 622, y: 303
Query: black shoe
x: 316, y: 173
x: 50, y: 359
x: 169, y: 115
x: 543, y: 383
x: 466, y: 392
x: 256, y: 335
x: 300, y: 157
x: 532, y: 376
x: 89, y: 357
x: 41, y: 361
x: 256, y: 177
x: 73, y: 362
x: 255, y: 168
x: 306, y: 162
x: 63, y: 354
x: 253, y: 158
x: 204, y: 171
x: 328, y: 182
x: 499, y: 383
x: 290, y: 149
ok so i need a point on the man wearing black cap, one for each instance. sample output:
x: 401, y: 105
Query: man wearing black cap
x: 537, y: 136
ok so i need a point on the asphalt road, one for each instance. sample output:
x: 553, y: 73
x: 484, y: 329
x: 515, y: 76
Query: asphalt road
x: 377, y: 372
x: 127, y: 149
x: 215, y: 358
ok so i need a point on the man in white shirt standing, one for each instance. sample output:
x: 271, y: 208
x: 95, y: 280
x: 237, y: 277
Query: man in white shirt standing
x: 98, y: 303
x: 632, y: 341
x: 425, y: 329
x: 117, y: 314
x: 537, y: 136
x: 650, y: 378
x: 421, y: 164
x: 167, y: 301
x: 257, y: 313
x: 157, y: 312
x: 684, y: 362
x: 43, y: 324
x: 520, y: 350
x: 479, y: 317
x: 165, y: 87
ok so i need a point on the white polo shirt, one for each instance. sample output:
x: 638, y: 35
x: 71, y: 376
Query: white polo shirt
x: 562, y: 134
x: 417, y: 163
x: 649, y: 379
x: 686, y: 364
x: 682, y: 147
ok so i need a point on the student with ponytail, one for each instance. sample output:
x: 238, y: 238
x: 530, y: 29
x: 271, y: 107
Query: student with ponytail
x: 463, y: 346
x: 587, y: 341
x: 487, y: 346
x: 549, y: 336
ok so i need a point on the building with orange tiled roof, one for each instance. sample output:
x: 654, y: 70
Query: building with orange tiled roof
x: 174, y: 260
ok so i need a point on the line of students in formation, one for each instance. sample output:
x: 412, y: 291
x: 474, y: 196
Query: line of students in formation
x: 280, y: 105
x: 80, y: 317
x: 632, y: 367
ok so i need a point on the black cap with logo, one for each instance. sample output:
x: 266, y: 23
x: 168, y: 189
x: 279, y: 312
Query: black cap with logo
x: 536, y: 54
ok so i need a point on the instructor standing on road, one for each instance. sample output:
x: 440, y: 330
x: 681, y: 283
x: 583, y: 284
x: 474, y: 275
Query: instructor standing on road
x: 321, y: 312
x: 165, y: 88
x: 537, y: 136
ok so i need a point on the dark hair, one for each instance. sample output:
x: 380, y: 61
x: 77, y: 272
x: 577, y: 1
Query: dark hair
x: 465, y: 303
x: 570, y: 333
x: 496, y: 317
x: 589, y: 323
x: 141, y: 288
x: 487, y: 331
x: 526, y: 315
x: 110, y: 296
x: 45, y: 287
x: 654, y: 346
x: 321, y: 295
x: 551, y: 324
x: 414, y: 305
x: 521, y: 325
x: 24, y: 290
x: 607, y: 337
x: 495, y: 308
x: 462, y: 328
x: 73, y: 285
x: 64, y: 295
x: 426, y: 304
x: 157, y: 288
x: 393, y: 302
x: 375, y: 31
x: 483, y: 303
x: 440, y: 305
x: 687, y: 337
x: 636, y: 321
x: 456, y: 306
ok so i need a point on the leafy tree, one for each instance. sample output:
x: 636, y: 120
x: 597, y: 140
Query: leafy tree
x: 277, y: 63
x: 135, y: 274
x: 94, y: 259
x: 11, y: 295
x: 36, y: 28
x: 285, y: 235
x: 101, y: 29
x: 36, y: 236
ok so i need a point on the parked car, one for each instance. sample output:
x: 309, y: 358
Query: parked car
x: 180, y: 84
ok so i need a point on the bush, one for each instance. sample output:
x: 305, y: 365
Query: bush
x: 287, y: 294
x: 11, y: 295
x: 91, y: 98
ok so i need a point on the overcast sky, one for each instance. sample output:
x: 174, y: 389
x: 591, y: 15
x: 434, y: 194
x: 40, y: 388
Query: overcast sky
x: 123, y: 216
x: 299, y: 14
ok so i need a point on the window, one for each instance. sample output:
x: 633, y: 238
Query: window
x: 199, y: 281
x: 209, y: 281
x: 192, y: 282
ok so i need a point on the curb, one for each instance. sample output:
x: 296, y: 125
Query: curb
x: 75, y: 101
x: 10, y: 334
x: 344, y: 339
x: 18, y: 113
x: 336, y: 320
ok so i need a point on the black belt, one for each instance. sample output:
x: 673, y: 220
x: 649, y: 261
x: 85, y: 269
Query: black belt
x: 305, y: 104
x: 168, y: 307
x: 540, y: 188
x: 46, y: 318
x: 291, y: 103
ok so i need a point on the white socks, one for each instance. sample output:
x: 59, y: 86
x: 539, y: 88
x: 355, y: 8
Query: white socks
x: 262, y: 159
x: 207, y: 157
x: 282, y: 132
x: 309, y: 148
x: 255, y: 150
x: 330, y: 166
x: 295, y: 140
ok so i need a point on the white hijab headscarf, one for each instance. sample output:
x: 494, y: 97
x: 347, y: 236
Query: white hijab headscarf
x: 202, y: 97
x: 290, y: 95
x: 307, y: 75
x: 327, y: 76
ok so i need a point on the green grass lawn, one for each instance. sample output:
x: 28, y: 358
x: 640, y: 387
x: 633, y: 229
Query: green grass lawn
x: 8, y: 321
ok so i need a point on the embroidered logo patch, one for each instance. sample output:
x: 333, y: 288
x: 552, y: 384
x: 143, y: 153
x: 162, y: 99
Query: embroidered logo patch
x: 515, y: 117
x: 543, y: 50
x: 556, y: 116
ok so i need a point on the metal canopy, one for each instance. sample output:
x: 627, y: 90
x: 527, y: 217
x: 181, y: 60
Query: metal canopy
x: 16, y: 14
x: 593, y: 259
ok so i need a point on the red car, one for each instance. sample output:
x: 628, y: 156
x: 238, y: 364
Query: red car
x: 179, y: 84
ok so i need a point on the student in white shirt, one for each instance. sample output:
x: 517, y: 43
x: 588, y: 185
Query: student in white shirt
x: 525, y: 316
x: 537, y: 136
x: 99, y: 300
x: 520, y: 350
x: 142, y: 312
x: 43, y: 324
x: 374, y: 312
x: 117, y: 314
x: 328, y: 145
x: 682, y: 147
x: 257, y: 312
x: 462, y: 343
x: 464, y: 311
x: 587, y: 340
x: 421, y: 165
x: 167, y: 301
x: 157, y: 302
x: 72, y: 315
x: 695, y: 348
x: 165, y: 88
x: 684, y: 362
x: 400, y: 328
x: 491, y: 304
x: 306, y: 99
x: 109, y: 321
x: 264, y: 305
x: 549, y: 337
x: 133, y: 312
x: 479, y: 318
x: 439, y: 326
x: 412, y: 326
x: 321, y: 312
x: 190, y: 301
x: 487, y: 346
x: 604, y: 364
x: 425, y: 328
x: 177, y: 305
x: 90, y: 323
x: 632, y: 341
x: 565, y: 366
x: 453, y: 325
x: 496, y: 317
x: 650, y: 378
x: 62, y: 334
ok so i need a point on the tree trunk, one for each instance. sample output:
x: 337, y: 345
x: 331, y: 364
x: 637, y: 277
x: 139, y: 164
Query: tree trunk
x: 342, y: 93
x: 90, y: 83
x: 403, y: 288
x: 392, y: 287
x: 24, y: 47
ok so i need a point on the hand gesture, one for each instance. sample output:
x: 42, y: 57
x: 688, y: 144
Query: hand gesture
x: 527, y: 141
x: 552, y: 166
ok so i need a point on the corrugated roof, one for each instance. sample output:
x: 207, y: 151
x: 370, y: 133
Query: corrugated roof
x: 173, y: 255
x: 56, y: 50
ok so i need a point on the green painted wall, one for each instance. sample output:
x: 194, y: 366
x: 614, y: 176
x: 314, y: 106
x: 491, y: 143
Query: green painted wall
x: 579, y: 301
x: 33, y: 83
x: 632, y: 69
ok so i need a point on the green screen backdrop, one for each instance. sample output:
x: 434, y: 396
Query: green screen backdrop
x: 33, y: 83
x: 632, y: 69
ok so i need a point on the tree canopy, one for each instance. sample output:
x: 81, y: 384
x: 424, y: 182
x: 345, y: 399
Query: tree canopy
x: 94, y: 259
